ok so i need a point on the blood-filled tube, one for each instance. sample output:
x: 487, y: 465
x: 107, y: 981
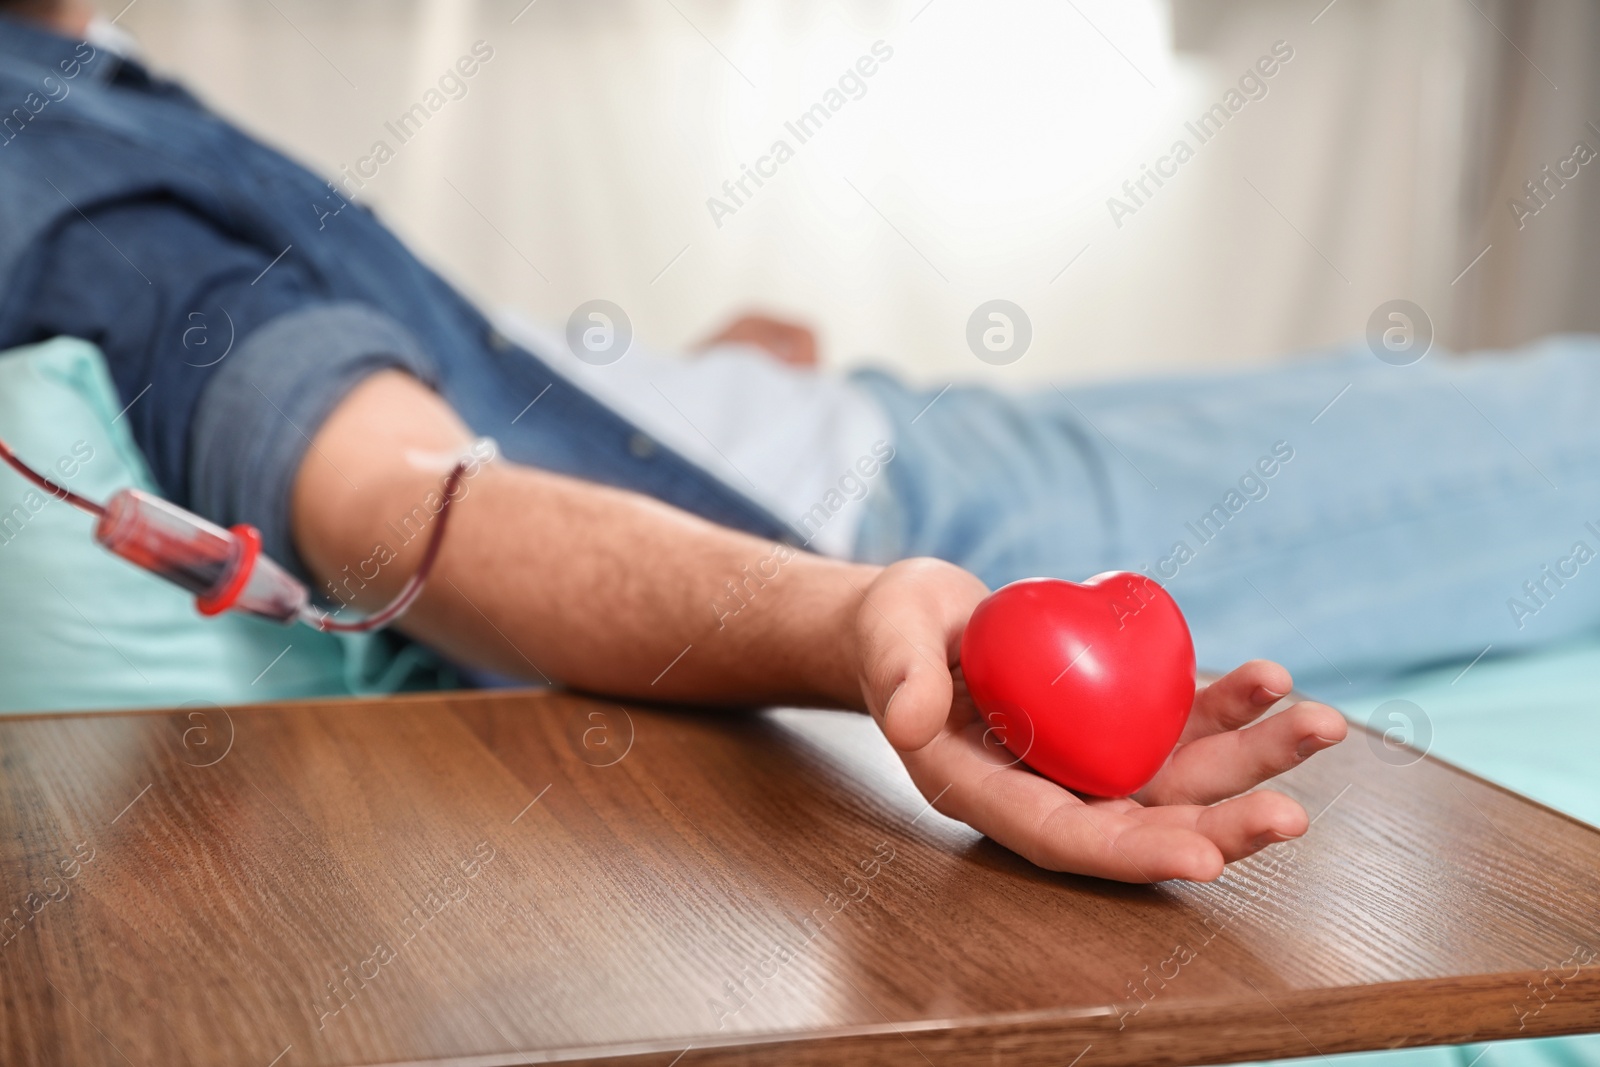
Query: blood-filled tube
x: 224, y: 569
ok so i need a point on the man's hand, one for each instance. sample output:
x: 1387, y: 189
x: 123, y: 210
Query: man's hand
x: 787, y: 342
x: 1187, y: 823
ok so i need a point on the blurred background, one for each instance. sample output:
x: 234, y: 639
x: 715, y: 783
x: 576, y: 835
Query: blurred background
x: 975, y: 163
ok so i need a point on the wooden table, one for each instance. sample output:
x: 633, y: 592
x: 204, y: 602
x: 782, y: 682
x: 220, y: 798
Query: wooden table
x: 524, y: 878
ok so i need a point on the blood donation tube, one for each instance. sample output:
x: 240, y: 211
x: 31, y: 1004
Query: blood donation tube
x: 224, y: 569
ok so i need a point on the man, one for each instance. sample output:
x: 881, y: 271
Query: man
x: 600, y: 558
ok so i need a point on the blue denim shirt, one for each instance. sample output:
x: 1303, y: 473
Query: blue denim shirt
x: 238, y: 297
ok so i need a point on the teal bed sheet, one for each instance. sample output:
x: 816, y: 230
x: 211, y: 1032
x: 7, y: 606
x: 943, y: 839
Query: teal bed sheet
x: 1529, y: 723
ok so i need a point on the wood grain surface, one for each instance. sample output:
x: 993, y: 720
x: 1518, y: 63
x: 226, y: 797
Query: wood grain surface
x: 526, y: 878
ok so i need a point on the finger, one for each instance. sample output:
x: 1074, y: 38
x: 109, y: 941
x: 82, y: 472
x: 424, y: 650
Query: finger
x: 1051, y: 827
x: 910, y: 626
x: 1159, y: 853
x: 1237, y: 698
x: 803, y: 353
x: 784, y: 341
x: 1226, y: 764
x: 1245, y: 825
x: 794, y: 345
x: 1239, y: 827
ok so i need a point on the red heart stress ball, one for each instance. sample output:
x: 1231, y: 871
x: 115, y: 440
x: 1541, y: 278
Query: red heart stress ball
x: 1089, y: 684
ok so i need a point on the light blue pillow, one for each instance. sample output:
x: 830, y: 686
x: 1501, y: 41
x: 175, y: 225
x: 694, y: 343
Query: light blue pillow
x: 83, y: 629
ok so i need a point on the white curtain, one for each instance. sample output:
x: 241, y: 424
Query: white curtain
x: 977, y: 163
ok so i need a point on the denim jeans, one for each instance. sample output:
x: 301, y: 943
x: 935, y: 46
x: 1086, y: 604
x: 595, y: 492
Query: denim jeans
x: 1346, y: 517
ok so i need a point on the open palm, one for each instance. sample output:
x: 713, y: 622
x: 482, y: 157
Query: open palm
x: 1196, y: 814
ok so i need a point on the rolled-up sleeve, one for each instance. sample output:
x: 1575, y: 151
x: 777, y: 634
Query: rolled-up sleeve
x: 228, y: 354
x: 254, y: 422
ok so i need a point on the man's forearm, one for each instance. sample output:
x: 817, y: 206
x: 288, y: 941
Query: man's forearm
x: 548, y: 576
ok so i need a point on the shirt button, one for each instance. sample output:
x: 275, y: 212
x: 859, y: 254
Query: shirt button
x: 498, y: 341
x: 641, y: 446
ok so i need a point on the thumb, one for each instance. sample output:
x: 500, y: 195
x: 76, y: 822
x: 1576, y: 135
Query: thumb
x: 909, y: 628
x: 919, y: 704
